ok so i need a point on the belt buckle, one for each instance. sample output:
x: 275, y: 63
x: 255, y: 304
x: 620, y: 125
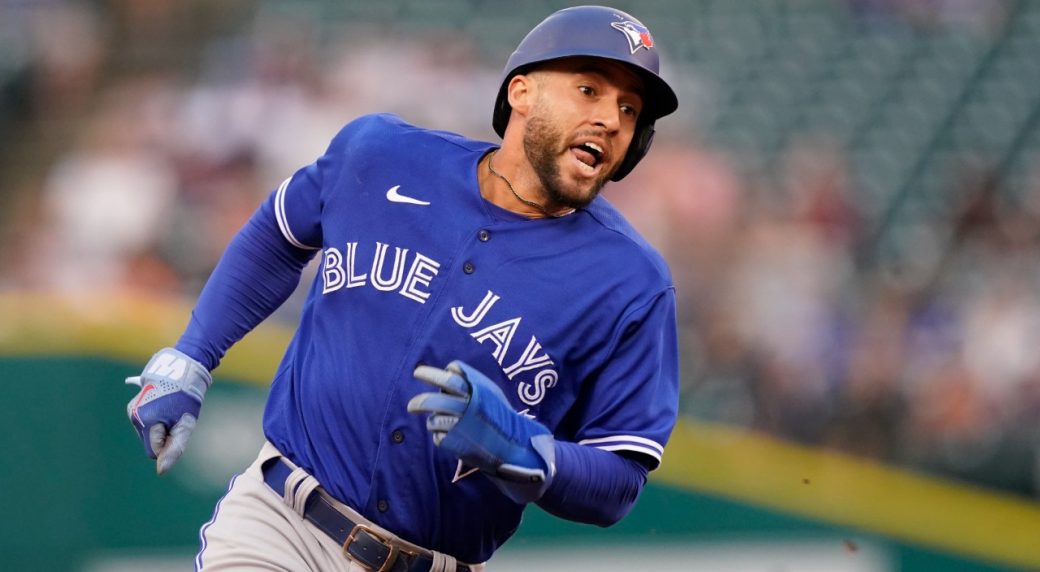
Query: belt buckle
x: 390, y: 559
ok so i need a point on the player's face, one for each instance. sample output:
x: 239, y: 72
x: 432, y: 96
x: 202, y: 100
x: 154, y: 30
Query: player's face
x: 580, y: 126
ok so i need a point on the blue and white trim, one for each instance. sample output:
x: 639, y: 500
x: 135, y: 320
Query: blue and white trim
x: 627, y: 443
x: 283, y: 221
x: 202, y: 531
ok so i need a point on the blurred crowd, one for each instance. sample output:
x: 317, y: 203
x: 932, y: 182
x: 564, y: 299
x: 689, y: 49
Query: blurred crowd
x: 791, y: 322
x: 793, y: 327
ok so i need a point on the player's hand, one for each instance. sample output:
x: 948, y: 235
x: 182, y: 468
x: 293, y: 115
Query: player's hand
x: 472, y: 418
x: 164, y: 412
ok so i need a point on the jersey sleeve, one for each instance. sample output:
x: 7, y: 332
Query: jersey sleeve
x: 632, y: 404
x: 296, y: 205
x: 298, y: 200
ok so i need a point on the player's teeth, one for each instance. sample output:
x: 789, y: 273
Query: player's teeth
x: 593, y: 150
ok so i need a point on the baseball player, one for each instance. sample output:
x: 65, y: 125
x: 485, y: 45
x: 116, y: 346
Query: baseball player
x: 484, y: 330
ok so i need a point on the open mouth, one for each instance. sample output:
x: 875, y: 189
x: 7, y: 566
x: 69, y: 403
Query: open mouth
x: 588, y: 154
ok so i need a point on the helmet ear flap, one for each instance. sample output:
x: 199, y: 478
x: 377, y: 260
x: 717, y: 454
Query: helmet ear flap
x: 637, y: 149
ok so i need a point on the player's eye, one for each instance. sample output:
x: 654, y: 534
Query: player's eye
x: 629, y: 110
x: 586, y: 90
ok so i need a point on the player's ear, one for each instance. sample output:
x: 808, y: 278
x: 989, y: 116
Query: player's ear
x: 520, y: 92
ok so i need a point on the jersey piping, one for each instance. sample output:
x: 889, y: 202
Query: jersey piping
x: 627, y: 443
x: 283, y: 222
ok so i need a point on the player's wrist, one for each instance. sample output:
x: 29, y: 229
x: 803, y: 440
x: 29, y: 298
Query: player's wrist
x: 524, y: 485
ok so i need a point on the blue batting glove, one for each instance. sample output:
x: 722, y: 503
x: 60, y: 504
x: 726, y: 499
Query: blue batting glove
x: 166, y: 409
x: 472, y: 418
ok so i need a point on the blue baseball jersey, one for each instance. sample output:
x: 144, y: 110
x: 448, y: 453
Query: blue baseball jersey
x: 573, y: 317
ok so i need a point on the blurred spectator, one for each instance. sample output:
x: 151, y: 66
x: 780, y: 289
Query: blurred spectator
x: 59, y: 45
x: 105, y: 199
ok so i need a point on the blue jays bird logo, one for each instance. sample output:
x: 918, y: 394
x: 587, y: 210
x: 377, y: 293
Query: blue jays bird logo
x: 638, y: 35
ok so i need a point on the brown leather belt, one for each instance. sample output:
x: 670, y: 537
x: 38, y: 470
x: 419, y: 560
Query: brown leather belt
x: 360, y: 542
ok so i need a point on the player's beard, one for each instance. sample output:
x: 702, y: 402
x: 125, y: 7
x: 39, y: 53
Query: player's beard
x: 542, y: 142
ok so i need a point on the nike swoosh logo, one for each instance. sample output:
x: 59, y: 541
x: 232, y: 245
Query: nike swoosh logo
x: 395, y: 197
x: 148, y: 388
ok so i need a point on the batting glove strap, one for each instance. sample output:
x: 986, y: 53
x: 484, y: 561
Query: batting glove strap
x: 515, y: 451
x: 173, y: 386
x: 524, y: 485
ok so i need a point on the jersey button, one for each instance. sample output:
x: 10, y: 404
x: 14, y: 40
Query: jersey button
x: 382, y: 506
x: 484, y: 235
x: 468, y: 268
x: 397, y: 436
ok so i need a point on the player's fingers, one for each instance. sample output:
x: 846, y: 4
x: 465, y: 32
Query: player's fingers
x: 438, y: 423
x: 448, y: 381
x: 156, y: 437
x: 176, y: 443
x: 437, y: 403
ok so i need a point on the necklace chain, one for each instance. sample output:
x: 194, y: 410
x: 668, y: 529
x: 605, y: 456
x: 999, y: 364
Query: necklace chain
x: 529, y: 203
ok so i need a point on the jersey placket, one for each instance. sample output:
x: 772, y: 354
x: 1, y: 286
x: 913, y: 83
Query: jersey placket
x: 399, y: 446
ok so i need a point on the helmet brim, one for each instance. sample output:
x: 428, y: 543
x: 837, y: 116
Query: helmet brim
x: 659, y: 99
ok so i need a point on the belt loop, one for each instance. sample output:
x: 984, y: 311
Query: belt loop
x: 298, y: 487
x: 443, y: 562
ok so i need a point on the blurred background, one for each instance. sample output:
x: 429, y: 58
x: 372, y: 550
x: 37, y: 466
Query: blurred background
x: 849, y: 198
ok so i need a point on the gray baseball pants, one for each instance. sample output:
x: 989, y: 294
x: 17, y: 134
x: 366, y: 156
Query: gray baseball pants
x: 254, y: 528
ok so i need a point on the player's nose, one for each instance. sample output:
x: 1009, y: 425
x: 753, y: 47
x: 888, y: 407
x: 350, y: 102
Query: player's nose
x: 606, y: 113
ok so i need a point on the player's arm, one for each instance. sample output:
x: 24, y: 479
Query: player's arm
x: 593, y: 486
x: 623, y: 420
x: 471, y: 417
x: 258, y: 271
x: 256, y: 274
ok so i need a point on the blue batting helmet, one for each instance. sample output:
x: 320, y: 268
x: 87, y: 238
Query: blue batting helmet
x: 601, y: 32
